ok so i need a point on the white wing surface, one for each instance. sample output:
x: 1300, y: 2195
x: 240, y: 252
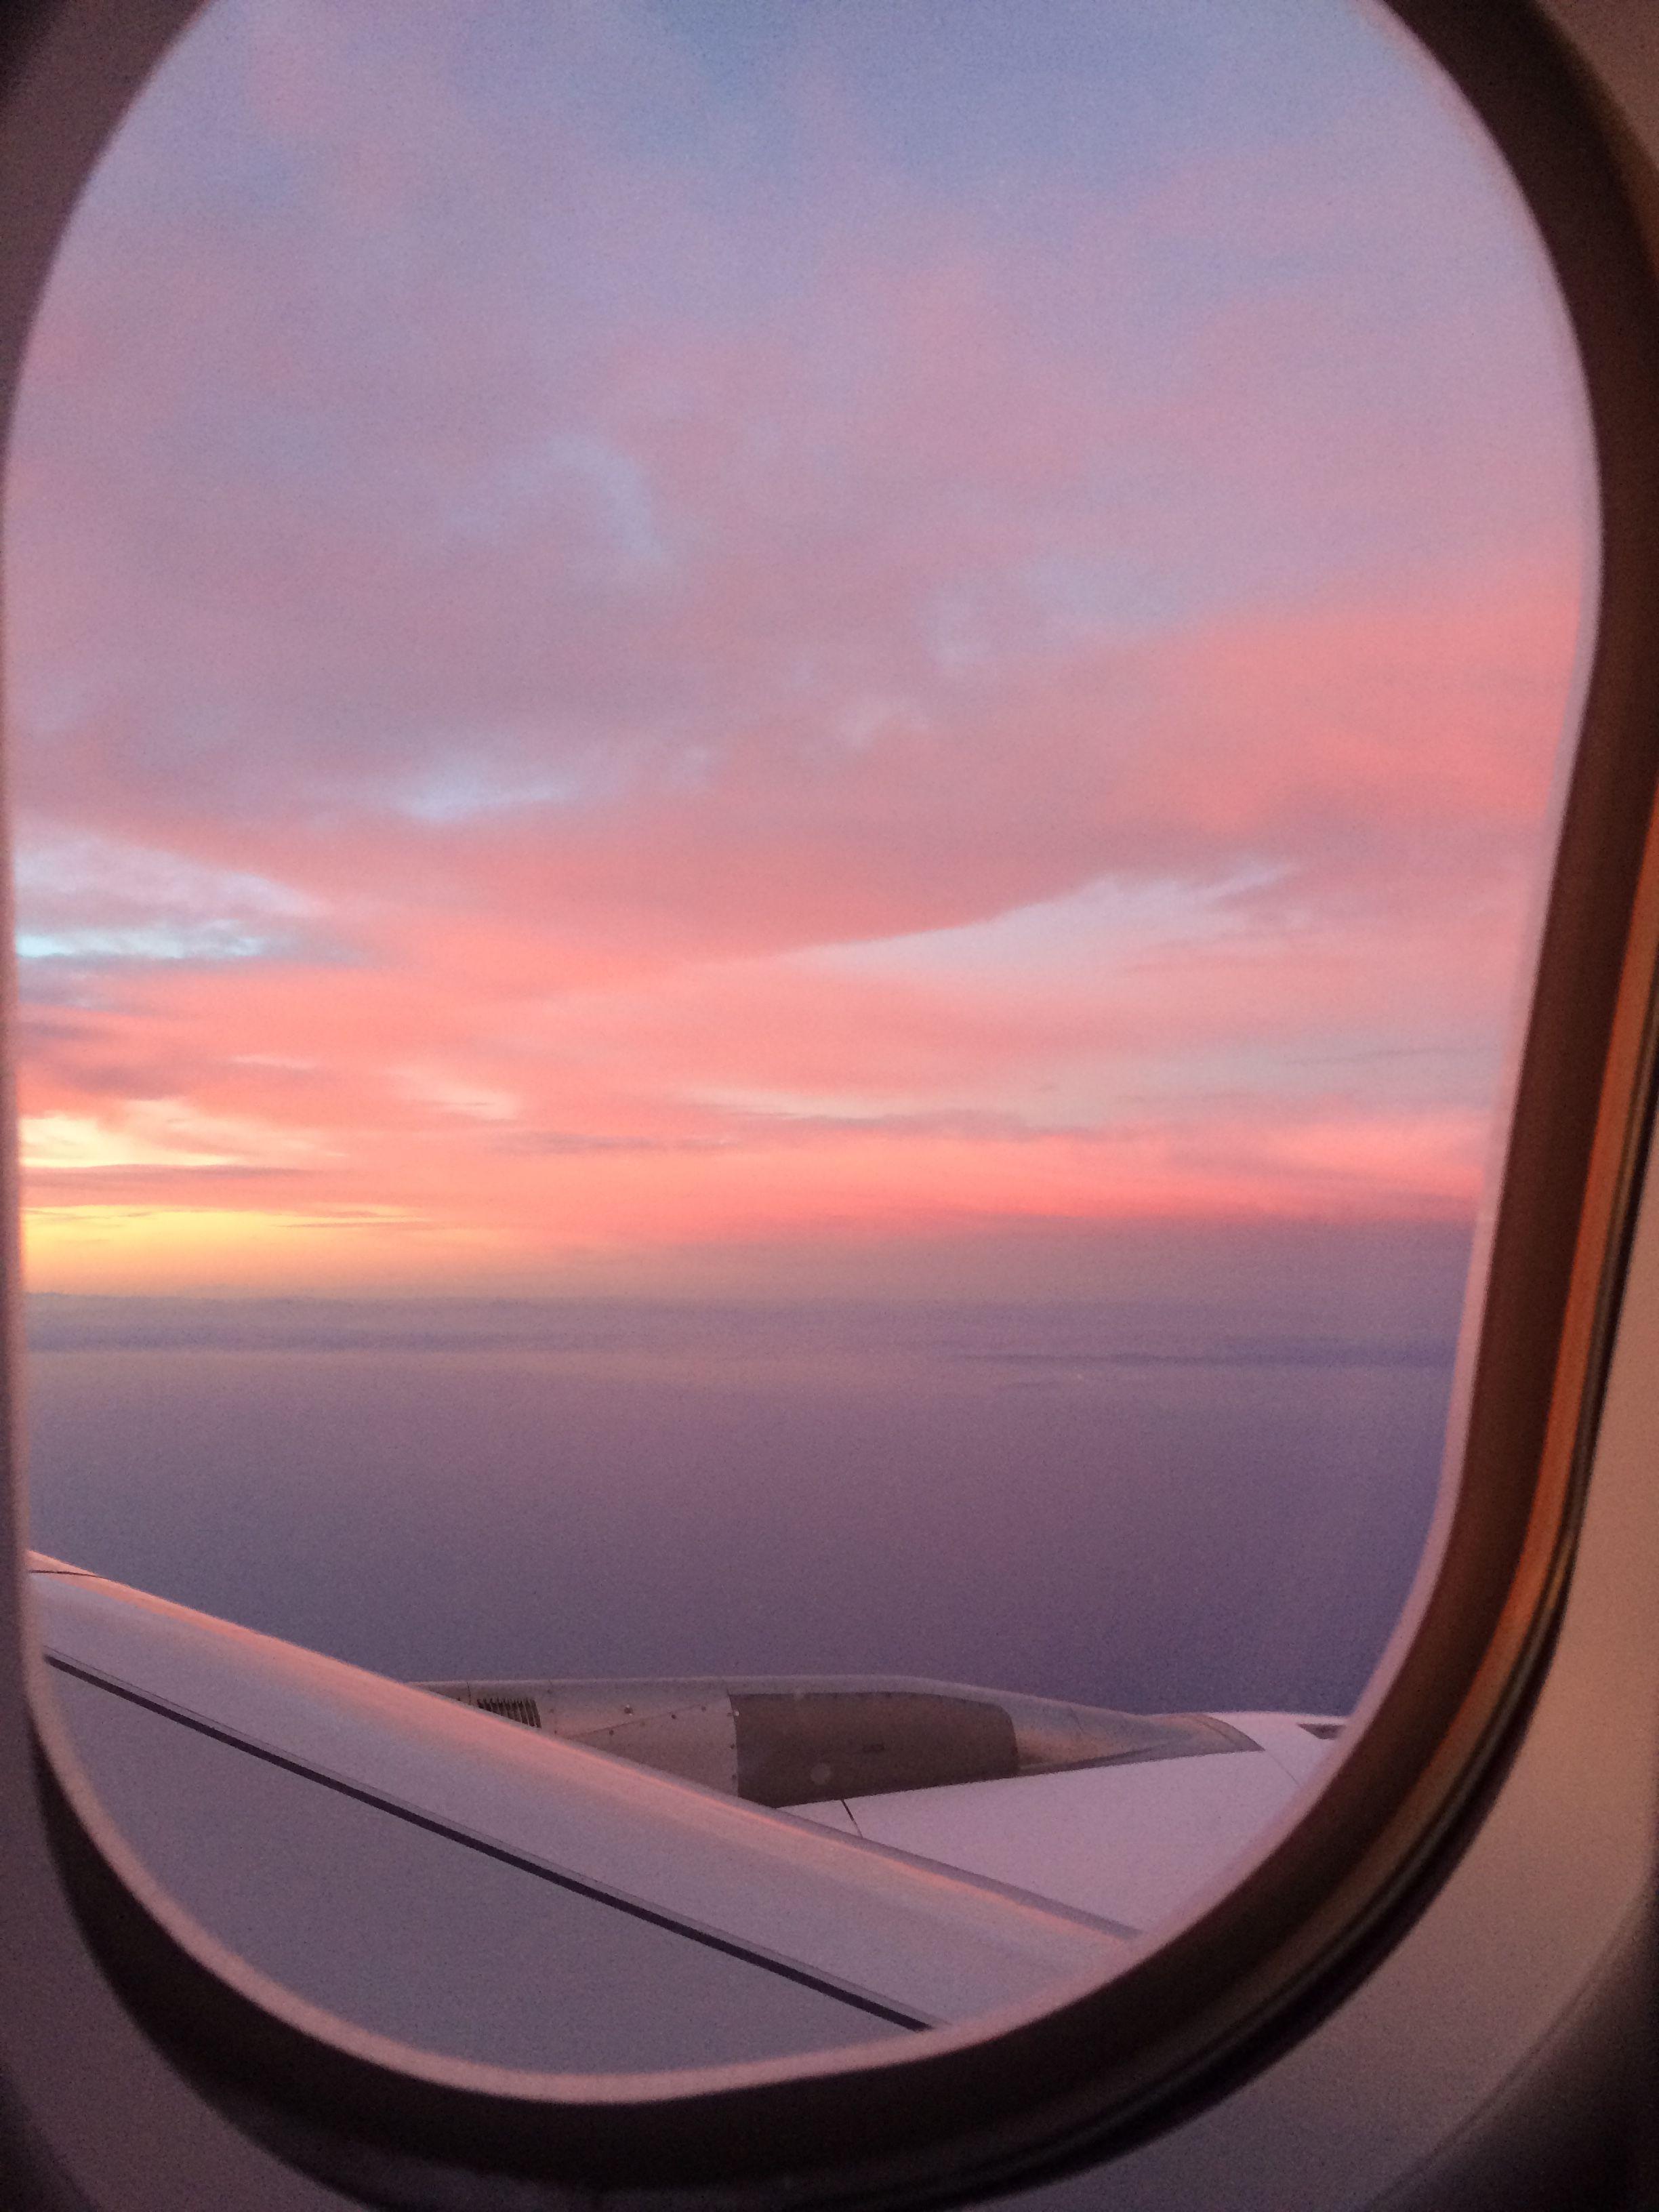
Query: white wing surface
x: 500, y: 1893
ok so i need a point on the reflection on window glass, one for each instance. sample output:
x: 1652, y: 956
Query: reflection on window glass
x: 779, y: 773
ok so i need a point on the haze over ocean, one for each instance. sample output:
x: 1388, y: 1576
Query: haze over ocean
x: 1214, y: 1495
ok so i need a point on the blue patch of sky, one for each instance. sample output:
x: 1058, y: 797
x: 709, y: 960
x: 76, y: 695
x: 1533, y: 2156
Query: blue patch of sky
x: 87, y: 900
x: 1015, y: 113
x: 197, y: 941
x: 963, y: 92
x: 990, y: 107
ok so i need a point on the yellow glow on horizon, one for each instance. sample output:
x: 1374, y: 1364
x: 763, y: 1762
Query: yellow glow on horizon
x: 158, y: 1248
x: 560, y: 1221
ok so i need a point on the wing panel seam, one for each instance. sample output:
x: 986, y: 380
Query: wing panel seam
x: 729, y: 1948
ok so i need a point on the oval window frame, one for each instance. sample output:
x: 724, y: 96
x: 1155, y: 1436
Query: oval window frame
x: 1069, y: 2085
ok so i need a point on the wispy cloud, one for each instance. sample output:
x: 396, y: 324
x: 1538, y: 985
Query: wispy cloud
x: 160, y: 1133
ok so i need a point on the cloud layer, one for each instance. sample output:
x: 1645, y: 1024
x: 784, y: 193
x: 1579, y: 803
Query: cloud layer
x: 648, y: 629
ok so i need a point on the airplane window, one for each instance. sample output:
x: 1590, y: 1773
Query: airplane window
x: 780, y: 778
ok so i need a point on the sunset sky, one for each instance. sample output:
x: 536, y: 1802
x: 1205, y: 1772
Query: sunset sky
x: 769, y: 644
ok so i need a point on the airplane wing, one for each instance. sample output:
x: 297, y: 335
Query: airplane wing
x: 604, y: 1877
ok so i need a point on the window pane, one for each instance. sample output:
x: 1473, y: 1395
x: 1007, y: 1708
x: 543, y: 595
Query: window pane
x: 780, y: 778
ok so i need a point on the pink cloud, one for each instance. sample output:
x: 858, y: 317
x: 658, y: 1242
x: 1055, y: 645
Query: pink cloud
x: 598, y: 600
